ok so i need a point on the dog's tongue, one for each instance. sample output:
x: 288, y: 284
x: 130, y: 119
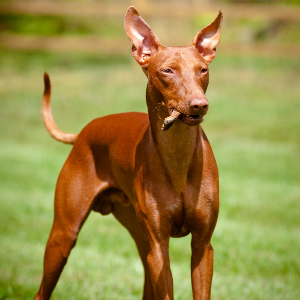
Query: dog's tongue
x: 169, y: 121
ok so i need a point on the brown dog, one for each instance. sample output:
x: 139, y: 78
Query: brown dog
x: 157, y: 183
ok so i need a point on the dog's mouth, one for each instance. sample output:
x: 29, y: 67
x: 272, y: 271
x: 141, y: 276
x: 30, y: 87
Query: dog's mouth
x: 191, y: 120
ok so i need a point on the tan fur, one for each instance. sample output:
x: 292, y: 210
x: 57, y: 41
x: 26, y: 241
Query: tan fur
x: 158, y: 184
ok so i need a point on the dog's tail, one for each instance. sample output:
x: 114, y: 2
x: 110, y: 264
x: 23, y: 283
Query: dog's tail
x: 55, y: 132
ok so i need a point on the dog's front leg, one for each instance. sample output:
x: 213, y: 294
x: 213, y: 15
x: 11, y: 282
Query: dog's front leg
x: 158, y: 234
x: 201, y: 268
x: 159, y: 264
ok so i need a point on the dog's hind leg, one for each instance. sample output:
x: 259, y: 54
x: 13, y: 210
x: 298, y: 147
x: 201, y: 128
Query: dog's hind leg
x: 127, y: 217
x: 74, y: 198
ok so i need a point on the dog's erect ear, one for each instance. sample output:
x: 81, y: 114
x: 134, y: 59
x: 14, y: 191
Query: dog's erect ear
x: 145, y: 42
x: 208, y: 38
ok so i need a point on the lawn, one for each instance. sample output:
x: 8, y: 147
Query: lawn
x: 253, y: 126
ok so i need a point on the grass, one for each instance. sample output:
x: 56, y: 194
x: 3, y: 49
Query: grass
x: 253, y: 126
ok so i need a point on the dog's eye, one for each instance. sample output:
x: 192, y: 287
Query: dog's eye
x: 168, y: 71
x: 204, y: 71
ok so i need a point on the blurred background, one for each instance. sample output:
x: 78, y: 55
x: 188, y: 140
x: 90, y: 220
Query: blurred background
x: 253, y: 126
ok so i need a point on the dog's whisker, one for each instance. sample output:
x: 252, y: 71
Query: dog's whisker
x: 157, y: 107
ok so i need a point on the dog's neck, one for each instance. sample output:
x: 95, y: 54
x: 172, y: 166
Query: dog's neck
x: 177, y: 147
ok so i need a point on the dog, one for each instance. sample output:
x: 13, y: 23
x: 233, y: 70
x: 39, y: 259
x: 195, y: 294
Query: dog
x: 156, y: 172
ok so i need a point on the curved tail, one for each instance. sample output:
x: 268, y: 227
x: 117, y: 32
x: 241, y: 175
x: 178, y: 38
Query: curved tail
x: 55, y: 132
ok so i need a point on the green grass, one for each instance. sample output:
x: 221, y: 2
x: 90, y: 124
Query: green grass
x: 253, y: 126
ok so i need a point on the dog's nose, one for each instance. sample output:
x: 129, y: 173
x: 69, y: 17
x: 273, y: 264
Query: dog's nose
x: 199, y: 106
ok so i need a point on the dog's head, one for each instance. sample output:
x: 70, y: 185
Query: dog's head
x: 177, y: 76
